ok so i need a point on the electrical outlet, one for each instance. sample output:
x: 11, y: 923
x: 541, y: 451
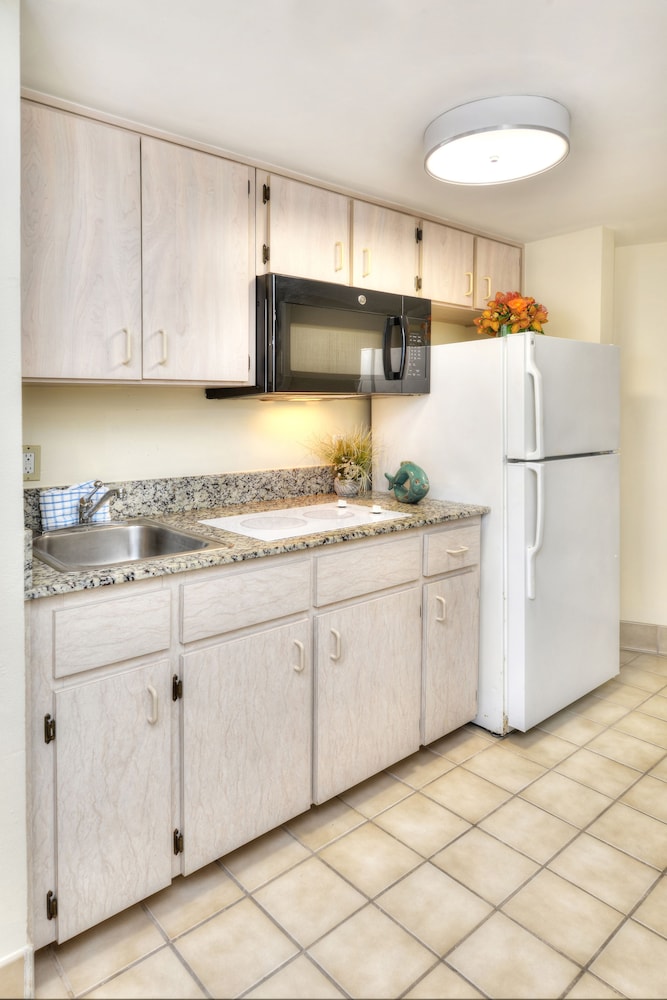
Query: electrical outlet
x: 31, y: 462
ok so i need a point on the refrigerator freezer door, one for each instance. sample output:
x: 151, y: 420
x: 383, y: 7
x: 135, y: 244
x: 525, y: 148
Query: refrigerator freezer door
x: 563, y: 583
x: 562, y: 397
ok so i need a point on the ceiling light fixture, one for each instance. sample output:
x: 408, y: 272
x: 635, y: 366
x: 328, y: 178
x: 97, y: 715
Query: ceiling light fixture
x: 496, y: 140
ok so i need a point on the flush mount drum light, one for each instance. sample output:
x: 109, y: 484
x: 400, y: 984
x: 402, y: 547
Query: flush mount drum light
x: 496, y: 140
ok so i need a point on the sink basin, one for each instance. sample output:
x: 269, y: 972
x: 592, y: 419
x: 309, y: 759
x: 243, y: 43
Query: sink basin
x: 89, y: 545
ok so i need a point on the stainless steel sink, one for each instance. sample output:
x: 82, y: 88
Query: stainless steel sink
x: 87, y: 546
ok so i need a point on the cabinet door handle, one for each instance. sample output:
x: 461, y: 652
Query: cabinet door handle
x: 487, y: 279
x: 443, y: 606
x: 163, y: 359
x: 365, y: 262
x: 457, y: 552
x: 468, y: 275
x: 335, y: 656
x: 338, y: 256
x: 301, y: 662
x: 152, y: 712
x: 128, y: 346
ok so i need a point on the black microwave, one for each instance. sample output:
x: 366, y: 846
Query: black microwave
x: 315, y: 338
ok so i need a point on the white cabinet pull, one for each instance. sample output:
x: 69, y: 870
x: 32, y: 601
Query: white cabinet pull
x: 468, y: 275
x: 163, y: 359
x: 301, y: 662
x: 128, y: 346
x: 443, y: 607
x: 152, y: 713
x: 366, y: 262
x: 338, y: 256
x: 457, y: 552
x: 335, y: 656
x: 487, y: 279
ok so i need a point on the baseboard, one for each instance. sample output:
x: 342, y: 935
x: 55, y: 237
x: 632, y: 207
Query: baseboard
x: 643, y: 638
x: 17, y: 976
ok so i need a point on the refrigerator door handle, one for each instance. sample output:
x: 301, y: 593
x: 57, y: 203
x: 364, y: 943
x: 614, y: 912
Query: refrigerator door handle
x: 532, y: 550
x: 536, y: 375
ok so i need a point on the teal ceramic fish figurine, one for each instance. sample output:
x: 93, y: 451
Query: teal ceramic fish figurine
x: 416, y: 479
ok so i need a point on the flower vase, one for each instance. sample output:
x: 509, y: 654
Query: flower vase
x: 505, y: 330
x: 346, y: 487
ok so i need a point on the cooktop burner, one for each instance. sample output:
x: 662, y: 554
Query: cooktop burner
x: 294, y: 521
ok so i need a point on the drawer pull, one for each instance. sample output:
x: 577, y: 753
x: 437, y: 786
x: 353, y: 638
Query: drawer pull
x: 457, y: 552
x: 338, y: 256
x: 300, y: 664
x: 128, y: 346
x: 152, y: 714
x: 335, y: 656
x: 443, y: 605
x: 164, y: 358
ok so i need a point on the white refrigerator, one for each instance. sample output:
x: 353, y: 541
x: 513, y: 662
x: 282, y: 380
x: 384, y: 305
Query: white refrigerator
x: 527, y: 425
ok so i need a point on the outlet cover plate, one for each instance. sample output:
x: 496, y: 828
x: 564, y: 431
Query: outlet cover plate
x: 32, y: 454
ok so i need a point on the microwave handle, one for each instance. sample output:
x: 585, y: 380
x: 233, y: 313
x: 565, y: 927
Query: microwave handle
x: 390, y: 323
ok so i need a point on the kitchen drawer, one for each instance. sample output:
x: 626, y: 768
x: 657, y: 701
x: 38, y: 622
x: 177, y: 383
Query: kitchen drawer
x: 364, y: 570
x: 238, y: 599
x: 451, y: 549
x: 95, y: 635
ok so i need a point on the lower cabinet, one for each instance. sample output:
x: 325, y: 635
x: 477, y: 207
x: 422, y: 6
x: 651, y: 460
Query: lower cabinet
x: 368, y: 689
x: 113, y: 804
x: 451, y: 640
x: 173, y: 720
x: 247, y: 739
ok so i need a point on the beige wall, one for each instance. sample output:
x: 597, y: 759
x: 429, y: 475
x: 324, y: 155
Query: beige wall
x: 639, y: 329
x: 147, y: 432
x: 573, y: 276
x: 13, y: 879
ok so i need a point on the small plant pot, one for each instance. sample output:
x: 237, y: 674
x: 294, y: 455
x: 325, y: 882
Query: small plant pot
x: 346, y: 487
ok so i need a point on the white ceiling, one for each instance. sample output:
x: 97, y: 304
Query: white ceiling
x: 342, y: 90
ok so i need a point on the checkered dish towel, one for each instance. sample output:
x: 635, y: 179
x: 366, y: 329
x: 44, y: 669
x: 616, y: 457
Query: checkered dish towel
x: 60, y: 507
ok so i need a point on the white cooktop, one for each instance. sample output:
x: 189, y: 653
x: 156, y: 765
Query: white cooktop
x: 273, y: 525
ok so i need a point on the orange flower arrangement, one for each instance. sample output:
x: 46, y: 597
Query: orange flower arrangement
x: 515, y: 311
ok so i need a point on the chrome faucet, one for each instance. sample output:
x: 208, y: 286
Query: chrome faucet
x: 86, y: 506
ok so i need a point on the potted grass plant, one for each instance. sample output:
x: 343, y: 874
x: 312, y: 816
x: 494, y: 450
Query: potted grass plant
x: 351, y: 455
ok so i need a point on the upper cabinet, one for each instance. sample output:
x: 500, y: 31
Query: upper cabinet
x: 497, y: 269
x: 81, y: 248
x: 197, y: 229
x: 109, y: 219
x: 302, y: 230
x: 447, y: 265
x: 385, y: 251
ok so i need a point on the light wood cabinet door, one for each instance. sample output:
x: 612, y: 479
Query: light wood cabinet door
x: 247, y: 739
x: 451, y: 611
x: 368, y: 689
x: 81, y: 248
x: 113, y: 806
x: 385, y: 252
x: 497, y: 269
x: 198, y: 265
x: 447, y: 264
x: 302, y: 230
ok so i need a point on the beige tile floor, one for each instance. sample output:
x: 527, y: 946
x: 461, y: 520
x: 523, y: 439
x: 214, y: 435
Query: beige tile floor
x: 529, y: 866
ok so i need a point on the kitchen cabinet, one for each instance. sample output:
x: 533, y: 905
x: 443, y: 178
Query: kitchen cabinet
x: 81, y: 248
x: 247, y: 739
x: 368, y: 689
x: 174, y: 719
x: 113, y: 808
x: 137, y: 257
x: 497, y: 269
x: 198, y: 266
x: 102, y: 731
x: 385, y: 251
x: 368, y: 662
x: 447, y: 264
x: 451, y: 631
x: 302, y: 230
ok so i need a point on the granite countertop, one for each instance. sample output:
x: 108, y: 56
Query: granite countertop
x: 234, y: 548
